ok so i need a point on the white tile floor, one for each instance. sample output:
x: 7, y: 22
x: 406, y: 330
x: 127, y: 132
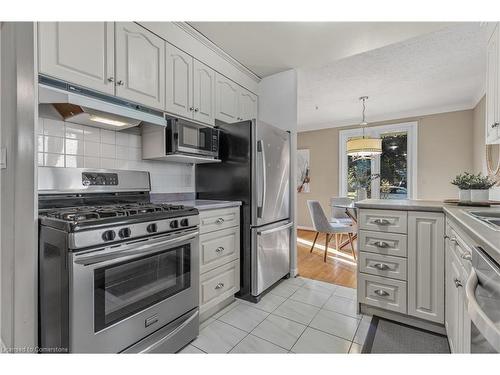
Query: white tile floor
x: 297, y: 316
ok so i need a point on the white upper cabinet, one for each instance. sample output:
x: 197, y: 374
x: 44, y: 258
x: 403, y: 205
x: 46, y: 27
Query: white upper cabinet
x: 247, y: 105
x: 140, y: 65
x: 234, y: 103
x: 492, y: 88
x: 204, y: 93
x: 226, y: 99
x: 78, y: 52
x: 426, y: 265
x: 179, y: 81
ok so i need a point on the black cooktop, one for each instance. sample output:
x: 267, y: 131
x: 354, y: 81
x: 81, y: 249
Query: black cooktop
x: 88, y: 217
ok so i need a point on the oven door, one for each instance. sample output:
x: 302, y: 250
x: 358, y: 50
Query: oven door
x: 196, y: 139
x: 120, y: 295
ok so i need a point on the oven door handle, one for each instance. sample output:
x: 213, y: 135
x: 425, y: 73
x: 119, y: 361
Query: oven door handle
x: 484, y: 324
x: 131, y: 250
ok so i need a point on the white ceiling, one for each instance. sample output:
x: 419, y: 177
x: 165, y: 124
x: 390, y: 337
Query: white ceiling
x: 406, y: 69
x: 271, y: 47
x: 438, y: 72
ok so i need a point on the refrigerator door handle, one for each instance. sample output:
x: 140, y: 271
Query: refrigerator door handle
x: 260, y: 148
x: 283, y: 227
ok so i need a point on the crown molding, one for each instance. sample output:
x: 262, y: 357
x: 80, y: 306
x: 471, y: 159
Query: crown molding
x: 186, y: 27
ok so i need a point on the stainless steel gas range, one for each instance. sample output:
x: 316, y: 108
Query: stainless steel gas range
x: 116, y: 272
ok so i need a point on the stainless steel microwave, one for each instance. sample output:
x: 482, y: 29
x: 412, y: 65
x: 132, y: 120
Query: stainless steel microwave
x: 180, y: 140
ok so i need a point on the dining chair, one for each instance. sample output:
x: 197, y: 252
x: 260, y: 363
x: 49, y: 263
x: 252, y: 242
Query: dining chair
x: 322, y: 225
x: 339, y: 214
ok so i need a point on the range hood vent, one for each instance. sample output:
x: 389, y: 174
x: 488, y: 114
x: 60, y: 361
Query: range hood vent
x: 85, y: 107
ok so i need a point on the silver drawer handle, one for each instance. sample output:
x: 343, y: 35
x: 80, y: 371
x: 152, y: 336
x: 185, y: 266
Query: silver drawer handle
x: 220, y: 249
x: 467, y: 256
x: 381, y: 266
x: 381, y: 244
x: 381, y: 293
x: 458, y: 283
x: 219, y: 220
x: 219, y: 286
x: 381, y: 221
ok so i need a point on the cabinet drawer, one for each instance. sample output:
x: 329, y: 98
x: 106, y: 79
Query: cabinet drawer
x: 211, y: 220
x: 219, y: 284
x: 218, y: 248
x: 382, y: 292
x: 383, y: 243
x: 382, y: 265
x: 384, y: 220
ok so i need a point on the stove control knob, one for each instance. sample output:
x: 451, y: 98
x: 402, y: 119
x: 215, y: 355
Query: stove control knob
x: 152, y: 228
x: 124, y: 233
x: 109, y: 235
x: 184, y: 223
x: 174, y: 224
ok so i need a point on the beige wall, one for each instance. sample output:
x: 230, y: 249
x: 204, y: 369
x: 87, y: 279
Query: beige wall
x: 444, y: 150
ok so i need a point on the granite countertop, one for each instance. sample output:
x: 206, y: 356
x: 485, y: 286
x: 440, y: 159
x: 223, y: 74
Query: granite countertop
x: 483, y: 235
x: 205, y: 204
x: 402, y: 204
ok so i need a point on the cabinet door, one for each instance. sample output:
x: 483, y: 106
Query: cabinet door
x: 492, y: 87
x: 78, y: 52
x: 226, y: 99
x: 204, y: 93
x: 451, y: 302
x: 247, y: 104
x: 179, y: 81
x: 140, y: 65
x: 426, y: 265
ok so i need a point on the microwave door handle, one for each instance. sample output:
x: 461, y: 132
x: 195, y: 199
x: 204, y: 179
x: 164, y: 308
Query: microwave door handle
x: 488, y: 329
x: 131, y: 251
x: 260, y: 149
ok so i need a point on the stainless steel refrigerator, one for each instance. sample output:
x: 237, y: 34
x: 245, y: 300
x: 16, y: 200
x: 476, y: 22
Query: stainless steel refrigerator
x: 255, y: 170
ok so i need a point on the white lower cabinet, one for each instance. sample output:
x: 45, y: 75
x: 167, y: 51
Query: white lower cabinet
x: 401, y: 262
x: 219, y: 258
x: 457, y: 320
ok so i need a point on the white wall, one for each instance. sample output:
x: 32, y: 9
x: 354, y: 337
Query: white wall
x: 278, y: 107
x: 63, y: 144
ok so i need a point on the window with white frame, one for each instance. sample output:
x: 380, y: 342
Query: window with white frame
x: 393, y: 173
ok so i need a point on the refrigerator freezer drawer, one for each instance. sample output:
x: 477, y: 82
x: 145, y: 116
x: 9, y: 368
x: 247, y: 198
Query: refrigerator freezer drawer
x: 270, y: 255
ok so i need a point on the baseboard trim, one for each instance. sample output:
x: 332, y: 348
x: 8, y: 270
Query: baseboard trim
x: 405, y: 319
x: 301, y: 227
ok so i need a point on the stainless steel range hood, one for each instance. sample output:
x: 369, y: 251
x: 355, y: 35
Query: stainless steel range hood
x: 86, y: 107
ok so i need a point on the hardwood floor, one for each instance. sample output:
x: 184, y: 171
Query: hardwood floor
x: 340, y: 267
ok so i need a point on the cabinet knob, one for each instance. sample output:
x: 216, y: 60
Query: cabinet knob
x: 382, y: 244
x: 381, y: 266
x: 381, y: 221
x: 219, y: 250
x: 219, y: 220
x: 467, y: 256
x: 196, y: 109
x: 496, y: 124
x: 219, y: 286
x: 120, y: 83
x: 111, y: 79
x: 458, y: 283
x: 191, y: 109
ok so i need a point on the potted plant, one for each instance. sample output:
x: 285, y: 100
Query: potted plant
x: 480, y: 186
x: 463, y: 182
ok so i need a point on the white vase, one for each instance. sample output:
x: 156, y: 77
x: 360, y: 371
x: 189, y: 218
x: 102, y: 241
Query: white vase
x: 464, y: 195
x: 479, y: 195
x: 361, y: 194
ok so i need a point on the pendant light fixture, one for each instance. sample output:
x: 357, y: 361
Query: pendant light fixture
x: 364, y: 147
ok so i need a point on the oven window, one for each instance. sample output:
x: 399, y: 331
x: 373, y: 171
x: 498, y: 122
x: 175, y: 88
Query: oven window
x: 196, y: 137
x: 123, y: 289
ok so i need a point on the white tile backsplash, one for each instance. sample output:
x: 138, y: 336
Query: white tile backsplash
x: 63, y: 144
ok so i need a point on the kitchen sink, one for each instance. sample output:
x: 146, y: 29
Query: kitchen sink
x: 491, y: 218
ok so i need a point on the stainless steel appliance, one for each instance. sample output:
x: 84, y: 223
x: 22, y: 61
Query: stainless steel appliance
x: 255, y: 169
x: 116, y: 272
x: 483, y: 300
x: 181, y: 140
x: 79, y: 105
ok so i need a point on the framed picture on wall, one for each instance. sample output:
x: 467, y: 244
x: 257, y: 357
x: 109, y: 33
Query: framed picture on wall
x: 303, y: 171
